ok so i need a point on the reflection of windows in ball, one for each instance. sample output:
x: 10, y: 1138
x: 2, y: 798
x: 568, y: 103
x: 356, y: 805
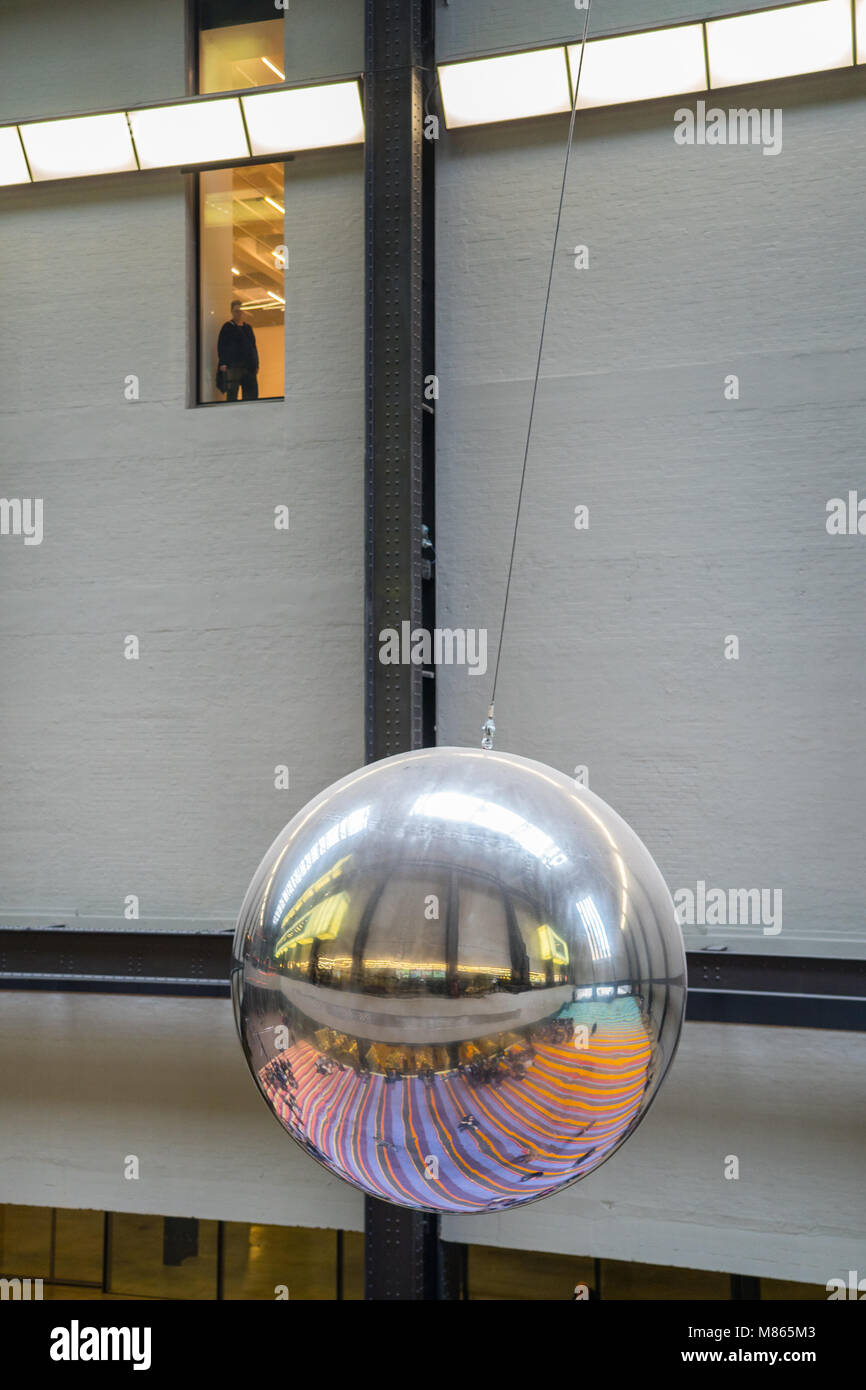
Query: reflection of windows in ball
x: 487, y: 1056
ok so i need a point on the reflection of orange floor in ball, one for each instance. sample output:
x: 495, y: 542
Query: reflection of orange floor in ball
x: 403, y: 1139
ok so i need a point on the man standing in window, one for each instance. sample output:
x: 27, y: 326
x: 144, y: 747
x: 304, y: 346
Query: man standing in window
x: 238, y: 356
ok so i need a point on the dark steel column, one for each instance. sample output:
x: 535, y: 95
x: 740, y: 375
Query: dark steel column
x: 179, y: 1239
x: 107, y: 1250
x: 403, y: 1256
x: 394, y: 108
x: 745, y: 1287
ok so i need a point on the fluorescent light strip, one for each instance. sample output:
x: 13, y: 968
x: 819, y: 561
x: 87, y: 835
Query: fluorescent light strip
x: 192, y: 132
x: 304, y: 118
x: 13, y: 165
x: 787, y: 41
x: 79, y: 145
x: 640, y: 67
x: 813, y: 37
x: 205, y: 132
x: 509, y: 88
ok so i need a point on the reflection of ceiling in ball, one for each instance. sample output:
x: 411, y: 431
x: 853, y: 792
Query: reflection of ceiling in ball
x: 458, y: 979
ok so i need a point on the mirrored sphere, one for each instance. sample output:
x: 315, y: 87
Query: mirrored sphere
x: 458, y: 980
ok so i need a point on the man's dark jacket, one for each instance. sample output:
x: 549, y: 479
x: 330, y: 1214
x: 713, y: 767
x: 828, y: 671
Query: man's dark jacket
x: 236, y: 346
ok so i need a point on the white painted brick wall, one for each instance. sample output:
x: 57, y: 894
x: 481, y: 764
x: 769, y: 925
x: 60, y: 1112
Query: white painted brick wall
x: 707, y: 517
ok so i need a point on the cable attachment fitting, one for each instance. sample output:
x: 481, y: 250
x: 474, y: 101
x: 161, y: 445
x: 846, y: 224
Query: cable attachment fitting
x: 488, y: 729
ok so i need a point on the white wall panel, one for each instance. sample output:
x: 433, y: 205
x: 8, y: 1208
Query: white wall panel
x: 707, y: 516
x: 156, y: 777
x: 89, y: 55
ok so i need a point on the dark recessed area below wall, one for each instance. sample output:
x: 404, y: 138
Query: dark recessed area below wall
x: 97, y: 1255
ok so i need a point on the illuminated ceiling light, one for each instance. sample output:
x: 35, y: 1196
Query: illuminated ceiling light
x: 812, y: 37
x: 80, y: 145
x: 271, y: 295
x: 268, y: 64
x: 197, y: 132
x: 352, y: 824
x: 13, y: 165
x: 506, y: 88
x: 597, y: 938
x: 235, y: 270
x: 551, y: 946
x: 640, y: 67
x: 474, y: 810
x: 305, y: 118
x: 279, y: 207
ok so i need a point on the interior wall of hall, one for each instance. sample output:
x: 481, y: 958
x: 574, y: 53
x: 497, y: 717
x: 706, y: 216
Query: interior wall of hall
x: 158, y: 522
x: 707, y: 515
x: 156, y: 777
x: 707, y: 519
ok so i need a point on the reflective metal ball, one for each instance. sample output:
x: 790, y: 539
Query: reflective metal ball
x: 458, y: 980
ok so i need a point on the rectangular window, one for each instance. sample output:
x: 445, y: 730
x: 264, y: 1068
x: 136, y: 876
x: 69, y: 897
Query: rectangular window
x: 242, y: 256
x: 241, y: 217
x: 240, y: 44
